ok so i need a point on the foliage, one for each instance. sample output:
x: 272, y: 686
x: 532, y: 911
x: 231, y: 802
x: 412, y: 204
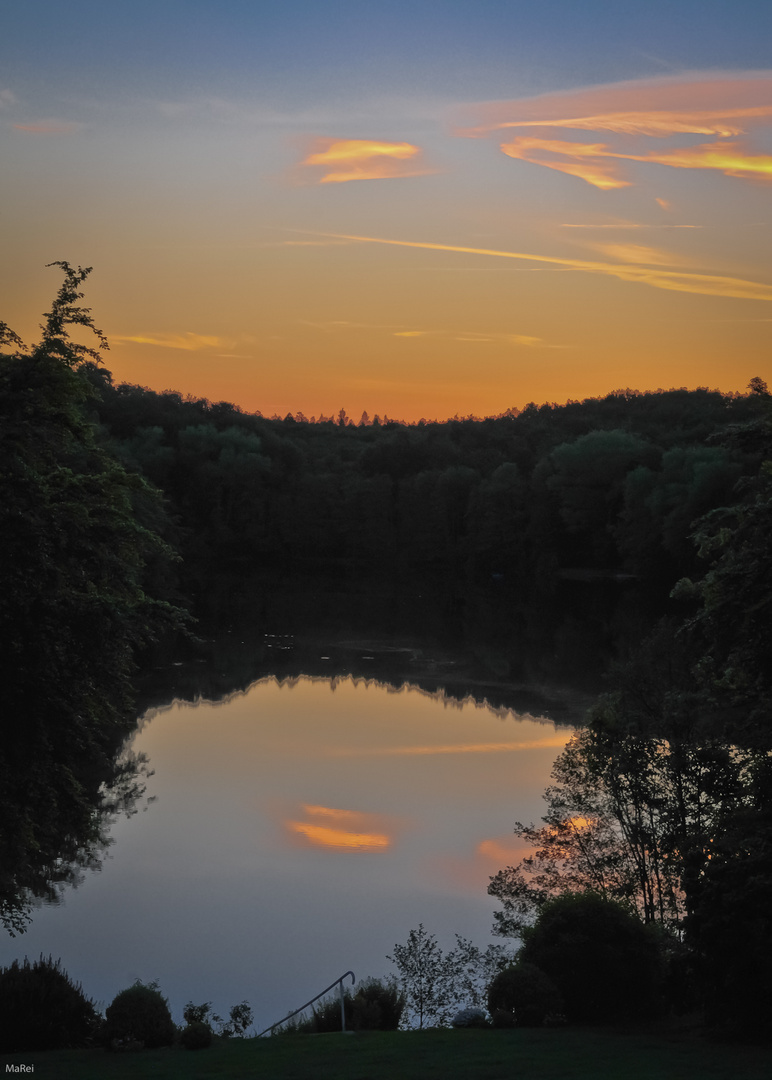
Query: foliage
x: 377, y: 1006
x: 639, y: 796
x: 435, y: 984
x: 524, y: 993
x: 424, y: 975
x: 73, y: 551
x: 42, y: 1008
x: 326, y: 1013
x: 139, y: 1013
x: 604, y: 962
x: 241, y: 1018
x: 196, y: 1035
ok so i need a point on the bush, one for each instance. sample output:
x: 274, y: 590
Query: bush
x: 524, y: 994
x: 139, y: 1014
x: 196, y: 1036
x: 42, y: 1008
x: 326, y: 1014
x: 603, y: 960
x: 469, y: 1018
x: 377, y: 1006
x: 241, y: 1017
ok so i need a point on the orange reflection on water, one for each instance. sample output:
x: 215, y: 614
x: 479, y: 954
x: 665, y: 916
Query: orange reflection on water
x: 346, y: 830
x: 558, y: 739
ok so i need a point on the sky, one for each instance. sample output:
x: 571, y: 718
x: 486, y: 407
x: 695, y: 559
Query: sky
x: 419, y: 209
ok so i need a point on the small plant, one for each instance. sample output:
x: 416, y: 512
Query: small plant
x: 377, y: 1006
x: 139, y: 1014
x: 469, y: 1018
x: 196, y: 1036
x: 526, y: 993
x: 42, y: 1008
x: 241, y: 1018
x: 327, y: 1013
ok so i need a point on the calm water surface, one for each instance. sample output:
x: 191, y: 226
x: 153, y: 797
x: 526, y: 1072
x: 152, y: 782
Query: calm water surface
x: 296, y: 830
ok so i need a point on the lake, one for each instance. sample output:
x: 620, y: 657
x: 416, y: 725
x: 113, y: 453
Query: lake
x: 296, y: 829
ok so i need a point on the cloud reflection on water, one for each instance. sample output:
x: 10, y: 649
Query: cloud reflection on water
x: 346, y: 830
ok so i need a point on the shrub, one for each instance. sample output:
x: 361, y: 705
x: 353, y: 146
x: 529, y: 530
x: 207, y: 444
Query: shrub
x: 241, y: 1017
x: 377, y: 1006
x: 604, y: 961
x: 469, y: 1018
x: 524, y: 993
x: 327, y: 1013
x: 141, y: 1014
x: 196, y: 1036
x: 42, y: 1008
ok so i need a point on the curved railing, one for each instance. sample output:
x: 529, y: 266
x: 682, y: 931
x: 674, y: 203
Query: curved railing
x: 338, y: 983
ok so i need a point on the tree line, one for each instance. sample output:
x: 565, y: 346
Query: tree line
x: 607, y: 485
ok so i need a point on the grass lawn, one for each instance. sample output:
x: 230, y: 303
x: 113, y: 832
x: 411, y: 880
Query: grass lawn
x: 563, y: 1054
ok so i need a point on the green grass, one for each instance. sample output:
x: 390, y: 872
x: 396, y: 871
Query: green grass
x: 563, y: 1054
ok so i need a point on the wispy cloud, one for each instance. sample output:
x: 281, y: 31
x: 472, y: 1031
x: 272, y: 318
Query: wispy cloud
x: 475, y: 336
x: 189, y: 341
x: 589, y: 161
x: 7, y: 98
x: 625, y: 224
x: 637, y: 253
x: 722, y: 107
x: 336, y: 161
x: 674, y: 280
x: 654, y: 123
x: 48, y: 127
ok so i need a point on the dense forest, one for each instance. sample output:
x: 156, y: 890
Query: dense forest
x: 606, y: 485
x: 120, y: 503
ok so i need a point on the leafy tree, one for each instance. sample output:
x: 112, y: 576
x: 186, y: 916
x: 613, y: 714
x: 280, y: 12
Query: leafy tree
x: 73, y: 553
x: 424, y: 975
x: 436, y: 984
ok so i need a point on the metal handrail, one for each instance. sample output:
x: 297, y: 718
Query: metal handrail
x: 339, y: 983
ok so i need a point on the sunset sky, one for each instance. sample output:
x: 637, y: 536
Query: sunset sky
x: 416, y: 209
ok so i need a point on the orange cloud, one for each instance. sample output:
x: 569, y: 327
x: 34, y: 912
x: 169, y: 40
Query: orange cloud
x: 344, y: 830
x: 337, y: 161
x: 48, y: 127
x: 722, y: 105
x: 189, y: 341
x: 636, y: 253
x: 581, y: 159
x: 678, y: 281
x: 657, y: 124
x: 729, y: 158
